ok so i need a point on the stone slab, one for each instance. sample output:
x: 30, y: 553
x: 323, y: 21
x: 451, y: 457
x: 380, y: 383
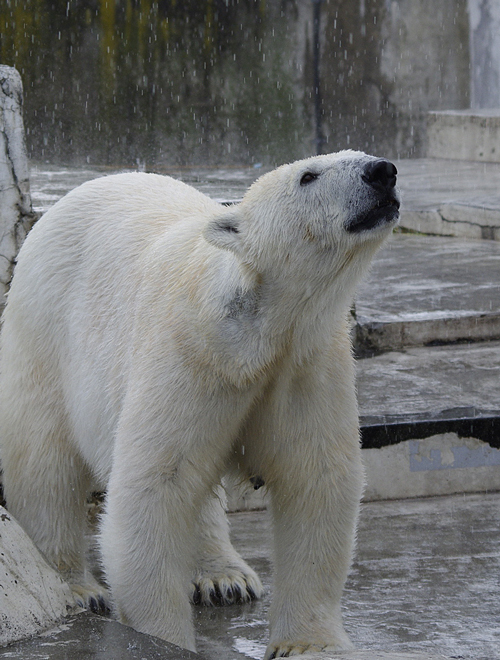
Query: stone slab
x: 423, y: 290
x: 464, y: 134
x: 91, y: 637
x: 450, y: 197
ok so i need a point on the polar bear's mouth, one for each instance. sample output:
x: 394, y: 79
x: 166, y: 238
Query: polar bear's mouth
x: 385, y: 211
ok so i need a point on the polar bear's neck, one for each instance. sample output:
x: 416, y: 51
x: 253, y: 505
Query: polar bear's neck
x: 265, y: 316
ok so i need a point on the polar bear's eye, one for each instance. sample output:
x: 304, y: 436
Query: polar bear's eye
x: 308, y: 177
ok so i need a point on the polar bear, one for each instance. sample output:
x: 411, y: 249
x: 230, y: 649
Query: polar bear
x: 154, y: 340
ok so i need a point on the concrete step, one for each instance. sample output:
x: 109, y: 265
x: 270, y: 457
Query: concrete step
x: 430, y: 420
x: 450, y: 197
x: 423, y: 291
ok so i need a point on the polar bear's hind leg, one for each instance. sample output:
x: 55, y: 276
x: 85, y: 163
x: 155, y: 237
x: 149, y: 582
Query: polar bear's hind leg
x: 45, y: 480
x: 222, y: 576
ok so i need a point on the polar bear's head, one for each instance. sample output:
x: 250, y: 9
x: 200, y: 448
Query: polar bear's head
x: 328, y: 204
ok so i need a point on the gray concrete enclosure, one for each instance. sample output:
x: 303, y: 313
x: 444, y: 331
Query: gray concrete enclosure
x: 223, y: 83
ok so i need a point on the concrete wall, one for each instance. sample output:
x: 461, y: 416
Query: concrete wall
x: 464, y: 135
x: 118, y: 86
x: 485, y: 53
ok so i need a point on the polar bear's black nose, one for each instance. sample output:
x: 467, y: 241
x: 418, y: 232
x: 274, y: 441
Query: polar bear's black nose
x: 380, y: 173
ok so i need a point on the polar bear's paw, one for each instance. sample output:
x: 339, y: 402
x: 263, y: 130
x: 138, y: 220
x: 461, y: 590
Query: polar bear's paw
x: 233, y: 585
x: 286, y: 649
x: 91, y: 596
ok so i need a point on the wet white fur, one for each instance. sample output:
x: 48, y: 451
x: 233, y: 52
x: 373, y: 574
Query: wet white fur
x: 153, y: 340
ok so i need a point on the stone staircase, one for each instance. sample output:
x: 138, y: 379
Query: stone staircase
x: 428, y: 321
x: 429, y: 328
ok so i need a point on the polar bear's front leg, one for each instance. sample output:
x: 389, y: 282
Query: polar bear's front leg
x: 222, y: 576
x: 310, y: 459
x: 146, y: 547
x: 171, y: 448
x: 314, y: 516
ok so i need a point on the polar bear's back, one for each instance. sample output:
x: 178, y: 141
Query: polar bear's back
x: 143, y: 203
x: 70, y: 311
x: 105, y: 224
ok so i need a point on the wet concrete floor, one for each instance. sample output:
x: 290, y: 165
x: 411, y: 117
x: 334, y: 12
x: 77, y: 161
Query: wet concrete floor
x: 426, y: 579
x: 425, y: 583
x: 426, y: 277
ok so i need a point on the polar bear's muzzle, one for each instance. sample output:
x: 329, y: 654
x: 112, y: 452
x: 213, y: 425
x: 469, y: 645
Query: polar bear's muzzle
x: 382, y: 201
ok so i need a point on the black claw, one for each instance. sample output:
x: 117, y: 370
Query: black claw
x: 219, y: 595
x: 103, y: 606
x: 98, y: 605
x: 272, y: 656
x: 196, y: 595
x: 251, y: 593
x: 216, y: 597
x: 238, y: 596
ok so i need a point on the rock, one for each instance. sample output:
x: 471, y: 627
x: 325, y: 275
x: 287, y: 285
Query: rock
x: 16, y: 214
x: 33, y: 596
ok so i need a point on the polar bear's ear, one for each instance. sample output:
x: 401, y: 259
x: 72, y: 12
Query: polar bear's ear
x: 223, y: 231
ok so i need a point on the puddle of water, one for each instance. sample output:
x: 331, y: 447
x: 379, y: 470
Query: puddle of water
x: 249, y: 647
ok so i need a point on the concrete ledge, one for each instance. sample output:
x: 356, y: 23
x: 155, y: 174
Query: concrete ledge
x: 458, y: 219
x: 464, y: 135
x: 431, y: 466
x: 457, y: 451
x: 395, y: 332
x: 386, y: 430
